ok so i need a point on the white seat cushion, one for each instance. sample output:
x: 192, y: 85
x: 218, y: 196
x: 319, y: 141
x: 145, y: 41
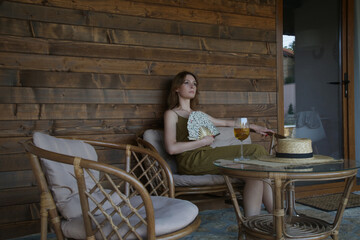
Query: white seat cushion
x: 170, y: 215
x: 197, y: 180
x: 61, y: 177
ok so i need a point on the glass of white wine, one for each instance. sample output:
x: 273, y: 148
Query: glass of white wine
x: 241, y: 132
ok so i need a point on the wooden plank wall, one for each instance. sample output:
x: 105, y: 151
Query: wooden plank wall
x: 101, y: 69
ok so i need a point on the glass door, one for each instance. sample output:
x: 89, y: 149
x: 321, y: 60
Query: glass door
x: 312, y: 73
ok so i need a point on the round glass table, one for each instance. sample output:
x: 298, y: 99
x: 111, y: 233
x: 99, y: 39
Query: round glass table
x: 285, y: 222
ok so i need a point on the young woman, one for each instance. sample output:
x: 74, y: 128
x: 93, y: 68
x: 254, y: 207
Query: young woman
x: 197, y: 157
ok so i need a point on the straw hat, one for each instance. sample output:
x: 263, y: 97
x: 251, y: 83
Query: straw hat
x: 297, y: 151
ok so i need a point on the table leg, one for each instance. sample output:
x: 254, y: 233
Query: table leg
x: 290, y: 200
x: 349, y: 182
x: 239, y: 216
x: 278, y: 209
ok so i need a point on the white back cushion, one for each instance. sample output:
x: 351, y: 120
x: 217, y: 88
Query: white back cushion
x: 61, y: 177
x: 156, y: 138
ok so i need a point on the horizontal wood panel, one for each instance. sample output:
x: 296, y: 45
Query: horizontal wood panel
x: 115, y: 158
x: 114, y: 81
x: 78, y: 111
x: 19, y: 229
x: 137, y: 38
x: 90, y: 80
x: 66, y: 95
x: 9, y: 77
x: 69, y: 32
x: 212, y: 97
x: 93, y: 127
x: 14, y: 162
x: 24, y: 45
x: 239, y: 7
x: 15, y: 27
x: 269, y: 122
x: 14, y: 146
x: 166, y: 12
x: 76, y: 127
x: 19, y: 196
x: 13, y: 9
x: 66, y: 48
x: 237, y: 84
x: 25, y: 128
x: 115, y: 21
x: 106, y: 111
x: 17, y: 179
x: 77, y: 33
x: 18, y: 213
x: 27, y: 111
x: 111, y: 96
x: 78, y: 64
x: 235, y: 57
x: 28, y: 78
x: 196, y: 43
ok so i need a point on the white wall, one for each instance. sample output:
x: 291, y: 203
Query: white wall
x: 289, y: 97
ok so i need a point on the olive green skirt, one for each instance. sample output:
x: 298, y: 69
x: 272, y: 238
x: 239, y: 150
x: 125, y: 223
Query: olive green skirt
x: 200, y: 161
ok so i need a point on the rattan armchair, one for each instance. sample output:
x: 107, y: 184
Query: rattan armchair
x: 106, y: 202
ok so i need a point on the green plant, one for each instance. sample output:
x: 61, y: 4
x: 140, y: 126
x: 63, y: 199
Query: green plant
x: 289, y: 79
x: 290, y: 110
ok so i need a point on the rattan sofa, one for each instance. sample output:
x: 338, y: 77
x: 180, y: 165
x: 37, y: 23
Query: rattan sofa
x: 153, y: 139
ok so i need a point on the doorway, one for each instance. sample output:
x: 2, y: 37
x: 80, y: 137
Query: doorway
x: 319, y: 50
x: 312, y: 73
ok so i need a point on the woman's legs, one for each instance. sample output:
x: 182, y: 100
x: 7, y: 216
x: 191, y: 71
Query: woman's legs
x: 267, y: 197
x: 256, y: 192
x: 253, y: 192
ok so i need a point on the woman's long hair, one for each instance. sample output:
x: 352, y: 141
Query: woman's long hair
x: 173, y: 98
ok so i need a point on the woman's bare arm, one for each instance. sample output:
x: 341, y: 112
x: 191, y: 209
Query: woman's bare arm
x: 174, y: 147
x: 230, y: 123
x: 221, y: 122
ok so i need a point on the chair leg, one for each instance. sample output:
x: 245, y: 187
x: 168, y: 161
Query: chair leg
x: 335, y: 236
x: 48, y: 208
x: 44, y: 216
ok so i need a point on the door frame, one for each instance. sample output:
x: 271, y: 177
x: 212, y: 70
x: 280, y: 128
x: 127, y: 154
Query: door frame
x: 347, y: 71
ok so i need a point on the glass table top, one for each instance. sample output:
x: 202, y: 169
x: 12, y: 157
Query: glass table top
x: 261, y: 166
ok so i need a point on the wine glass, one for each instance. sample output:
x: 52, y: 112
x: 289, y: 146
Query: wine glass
x: 241, y: 132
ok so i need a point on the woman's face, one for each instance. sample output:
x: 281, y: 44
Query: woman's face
x: 188, y: 88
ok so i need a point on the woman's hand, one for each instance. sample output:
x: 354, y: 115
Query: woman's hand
x: 262, y: 130
x: 207, y: 140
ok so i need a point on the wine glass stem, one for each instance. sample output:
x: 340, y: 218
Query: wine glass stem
x: 242, y: 154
